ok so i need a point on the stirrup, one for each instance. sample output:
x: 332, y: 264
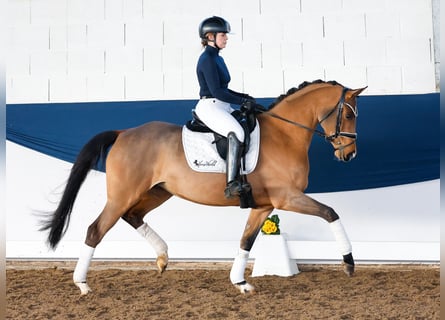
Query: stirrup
x: 235, y: 188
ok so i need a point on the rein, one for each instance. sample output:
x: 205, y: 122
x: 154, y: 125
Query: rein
x: 339, y: 107
x: 274, y: 115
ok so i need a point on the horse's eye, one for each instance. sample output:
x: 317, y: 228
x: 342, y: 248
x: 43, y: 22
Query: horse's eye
x: 349, y: 116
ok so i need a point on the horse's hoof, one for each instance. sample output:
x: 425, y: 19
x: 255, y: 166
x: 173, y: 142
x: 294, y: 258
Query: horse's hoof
x: 162, y: 262
x: 84, y: 288
x: 348, y: 269
x: 244, y: 287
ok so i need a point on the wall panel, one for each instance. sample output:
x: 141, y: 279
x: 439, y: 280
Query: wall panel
x: 362, y: 52
x: 294, y: 76
x: 68, y: 88
x: 146, y: 33
x: 102, y: 87
x: 37, y: 88
x: 352, y: 77
x: 86, y: 62
x: 325, y: 52
x: 385, y: 79
x: 139, y: 85
x: 382, y: 24
x: 418, y: 77
x: 344, y: 26
x: 316, y: 5
x: 84, y: 11
x: 122, y: 60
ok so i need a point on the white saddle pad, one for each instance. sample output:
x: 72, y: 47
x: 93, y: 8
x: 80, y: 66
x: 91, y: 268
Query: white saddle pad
x: 202, y: 156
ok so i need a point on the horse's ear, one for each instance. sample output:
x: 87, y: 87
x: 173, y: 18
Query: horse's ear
x: 354, y: 92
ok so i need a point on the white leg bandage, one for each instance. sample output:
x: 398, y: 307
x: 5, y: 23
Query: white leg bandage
x: 239, y: 266
x: 80, y: 272
x: 341, y: 237
x: 153, y: 239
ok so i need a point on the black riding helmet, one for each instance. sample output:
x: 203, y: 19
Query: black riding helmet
x: 214, y: 25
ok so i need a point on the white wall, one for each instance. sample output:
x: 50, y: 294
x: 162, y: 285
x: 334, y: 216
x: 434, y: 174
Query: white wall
x: 112, y: 50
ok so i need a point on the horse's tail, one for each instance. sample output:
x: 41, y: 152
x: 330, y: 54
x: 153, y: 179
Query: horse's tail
x: 91, y: 153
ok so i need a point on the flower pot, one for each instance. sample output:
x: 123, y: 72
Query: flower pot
x: 272, y: 257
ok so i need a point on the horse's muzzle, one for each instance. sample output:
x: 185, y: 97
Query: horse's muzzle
x: 341, y: 155
x: 344, y: 152
x: 349, y: 156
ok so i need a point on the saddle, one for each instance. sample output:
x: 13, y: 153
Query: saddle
x: 247, y: 119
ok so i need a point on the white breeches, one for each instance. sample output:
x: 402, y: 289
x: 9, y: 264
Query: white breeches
x: 216, y: 114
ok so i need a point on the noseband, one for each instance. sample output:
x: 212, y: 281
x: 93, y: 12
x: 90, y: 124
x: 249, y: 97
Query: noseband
x: 338, y: 133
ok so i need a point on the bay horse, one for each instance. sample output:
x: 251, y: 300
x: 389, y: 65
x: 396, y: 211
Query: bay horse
x: 146, y: 165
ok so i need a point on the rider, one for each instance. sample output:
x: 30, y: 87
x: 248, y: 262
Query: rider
x: 214, y: 107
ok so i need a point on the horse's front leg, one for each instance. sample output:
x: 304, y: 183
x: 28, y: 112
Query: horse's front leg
x: 253, y: 225
x: 301, y: 203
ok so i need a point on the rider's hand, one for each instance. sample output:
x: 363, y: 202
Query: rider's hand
x: 250, y: 98
x: 250, y: 106
x: 259, y: 107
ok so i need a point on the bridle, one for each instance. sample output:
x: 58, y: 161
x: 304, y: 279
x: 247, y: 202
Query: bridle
x: 338, y: 133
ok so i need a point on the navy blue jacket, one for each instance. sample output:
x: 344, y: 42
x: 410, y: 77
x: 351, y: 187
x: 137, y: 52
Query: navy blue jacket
x: 214, y: 78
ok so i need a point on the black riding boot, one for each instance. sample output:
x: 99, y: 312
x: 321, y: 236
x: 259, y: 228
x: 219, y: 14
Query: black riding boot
x: 234, y: 186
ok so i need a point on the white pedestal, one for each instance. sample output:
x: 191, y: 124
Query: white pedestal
x: 272, y: 257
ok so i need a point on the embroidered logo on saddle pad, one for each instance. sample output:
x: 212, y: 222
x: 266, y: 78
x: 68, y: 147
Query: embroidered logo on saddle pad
x: 202, y: 156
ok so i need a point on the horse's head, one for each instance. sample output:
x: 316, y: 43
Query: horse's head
x: 319, y: 102
x: 339, y: 125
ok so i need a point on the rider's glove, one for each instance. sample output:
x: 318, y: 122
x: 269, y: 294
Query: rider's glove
x: 249, y: 106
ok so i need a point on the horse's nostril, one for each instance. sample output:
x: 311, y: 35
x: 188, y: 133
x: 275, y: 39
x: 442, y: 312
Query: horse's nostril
x: 350, y: 156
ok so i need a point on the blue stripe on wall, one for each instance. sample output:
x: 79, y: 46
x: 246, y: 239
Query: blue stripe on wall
x: 398, y: 136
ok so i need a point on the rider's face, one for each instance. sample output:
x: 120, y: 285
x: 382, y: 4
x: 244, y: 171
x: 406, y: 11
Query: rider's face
x: 221, y: 40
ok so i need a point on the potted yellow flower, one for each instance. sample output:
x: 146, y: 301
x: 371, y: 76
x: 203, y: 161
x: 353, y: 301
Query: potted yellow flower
x: 271, y: 225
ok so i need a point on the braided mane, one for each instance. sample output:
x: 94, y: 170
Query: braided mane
x: 301, y: 86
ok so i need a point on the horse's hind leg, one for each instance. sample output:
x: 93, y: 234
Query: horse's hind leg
x: 154, y: 198
x: 108, y: 218
x: 96, y: 231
